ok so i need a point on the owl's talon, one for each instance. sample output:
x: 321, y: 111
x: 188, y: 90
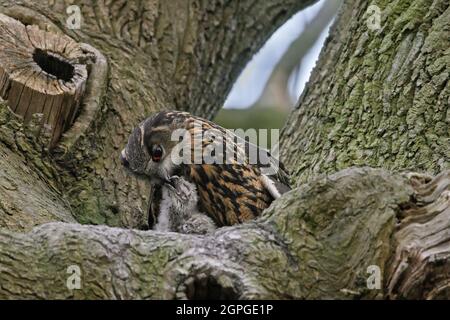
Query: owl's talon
x: 171, y: 187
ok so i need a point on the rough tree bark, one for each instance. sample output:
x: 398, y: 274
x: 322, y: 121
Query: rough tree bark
x: 161, y: 55
x: 41, y: 73
x: 317, y: 241
x: 378, y: 98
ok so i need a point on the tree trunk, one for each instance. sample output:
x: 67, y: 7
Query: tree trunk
x: 318, y: 241
x: 378, y: 98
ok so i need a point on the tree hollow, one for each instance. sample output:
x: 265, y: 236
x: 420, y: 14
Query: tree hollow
x: 41, y: 72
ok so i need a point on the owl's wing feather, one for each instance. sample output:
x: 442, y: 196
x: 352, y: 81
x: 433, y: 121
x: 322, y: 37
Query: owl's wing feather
x: 274, y: 174
x: 275, y: 188
x: 271, y: 168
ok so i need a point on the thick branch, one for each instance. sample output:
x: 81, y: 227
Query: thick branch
x: 40, y: 72
x: 314, y: 242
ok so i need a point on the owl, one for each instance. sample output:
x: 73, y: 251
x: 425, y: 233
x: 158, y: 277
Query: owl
x: 229, y: 188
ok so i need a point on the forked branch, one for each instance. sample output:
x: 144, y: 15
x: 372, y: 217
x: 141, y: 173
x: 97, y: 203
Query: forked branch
x: 316, y: 241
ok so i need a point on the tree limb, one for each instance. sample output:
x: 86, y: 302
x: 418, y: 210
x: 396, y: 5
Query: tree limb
x: 316, y: 241
x: 377, y: 97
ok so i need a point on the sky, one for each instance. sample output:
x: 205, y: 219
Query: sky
x: 253, y: 78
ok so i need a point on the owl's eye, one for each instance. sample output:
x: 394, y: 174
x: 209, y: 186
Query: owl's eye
x: 156, y: 152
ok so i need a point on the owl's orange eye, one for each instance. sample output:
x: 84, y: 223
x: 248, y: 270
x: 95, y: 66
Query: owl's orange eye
x: 156, y: 152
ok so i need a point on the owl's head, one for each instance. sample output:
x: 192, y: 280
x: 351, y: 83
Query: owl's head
x: 150, y: 145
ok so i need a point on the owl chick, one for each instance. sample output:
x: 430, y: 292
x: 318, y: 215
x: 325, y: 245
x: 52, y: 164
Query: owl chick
x: 230, y: 191
x: 178, y: 209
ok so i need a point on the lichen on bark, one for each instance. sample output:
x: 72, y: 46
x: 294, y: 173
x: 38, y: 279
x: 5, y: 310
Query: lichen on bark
x: 161, y: 55
x: 378, y: 98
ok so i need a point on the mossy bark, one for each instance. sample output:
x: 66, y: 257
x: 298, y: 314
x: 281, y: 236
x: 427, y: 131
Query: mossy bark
x: 378, y: 97
x: 317, y: 241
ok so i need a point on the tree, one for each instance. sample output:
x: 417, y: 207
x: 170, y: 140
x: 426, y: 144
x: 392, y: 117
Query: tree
x: 319, y: 240
x: 379, y: 96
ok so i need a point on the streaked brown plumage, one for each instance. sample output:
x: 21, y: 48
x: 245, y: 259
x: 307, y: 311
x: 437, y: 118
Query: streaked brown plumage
x: 230, y: 192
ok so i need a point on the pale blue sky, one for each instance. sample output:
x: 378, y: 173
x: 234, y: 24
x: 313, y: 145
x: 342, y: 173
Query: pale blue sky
x: 253, y: 78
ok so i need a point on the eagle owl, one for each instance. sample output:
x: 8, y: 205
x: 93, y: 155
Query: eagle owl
x: 170, y: 145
